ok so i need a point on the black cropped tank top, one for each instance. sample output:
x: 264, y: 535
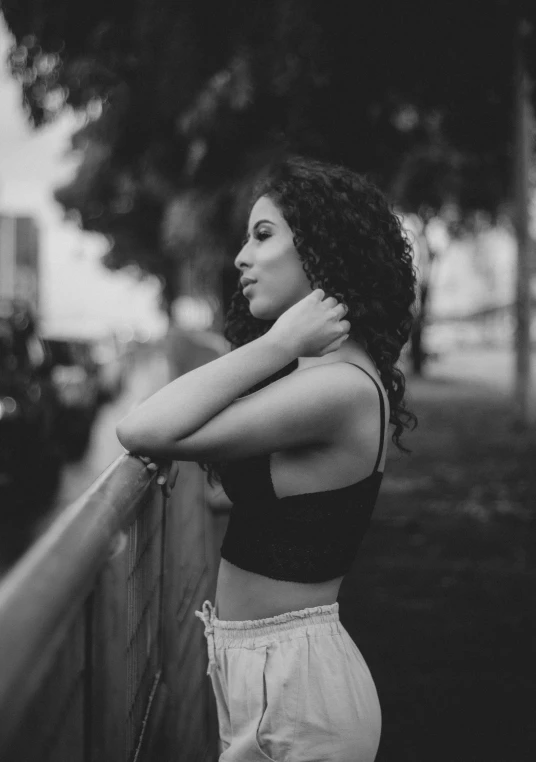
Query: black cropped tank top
x: 308, y: 537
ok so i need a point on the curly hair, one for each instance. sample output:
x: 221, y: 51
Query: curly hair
x: 352, y: 245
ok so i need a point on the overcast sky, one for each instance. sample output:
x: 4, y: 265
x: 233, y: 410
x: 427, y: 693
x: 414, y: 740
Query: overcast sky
x: 76, y: 291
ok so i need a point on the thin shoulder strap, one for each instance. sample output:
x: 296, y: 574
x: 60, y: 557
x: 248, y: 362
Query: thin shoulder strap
x: 382, y: 414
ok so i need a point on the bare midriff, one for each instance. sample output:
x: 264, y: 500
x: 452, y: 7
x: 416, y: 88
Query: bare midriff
x: 242, y: 595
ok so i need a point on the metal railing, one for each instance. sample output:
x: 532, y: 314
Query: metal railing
x: 101, y: 656
x: 94, y: 621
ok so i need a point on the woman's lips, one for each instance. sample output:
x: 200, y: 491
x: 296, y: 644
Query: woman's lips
x: 247, y: 288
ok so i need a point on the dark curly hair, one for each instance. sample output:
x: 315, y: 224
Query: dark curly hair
x: 352, y: 245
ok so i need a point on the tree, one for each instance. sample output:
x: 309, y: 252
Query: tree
x: 195, y: 97
x: 174, y: 102
x: 366, y: 91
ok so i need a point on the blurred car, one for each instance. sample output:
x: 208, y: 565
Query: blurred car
x: 30, y: 458
x: 109, y: 355
x: 75, y: 376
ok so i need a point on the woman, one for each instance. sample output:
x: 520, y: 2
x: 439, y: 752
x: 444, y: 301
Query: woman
x: 294, y: 422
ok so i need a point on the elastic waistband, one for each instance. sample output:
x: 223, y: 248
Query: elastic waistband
x: 229, y: 632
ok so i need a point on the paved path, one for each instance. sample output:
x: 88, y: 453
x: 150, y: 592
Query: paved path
x: 493, y: 368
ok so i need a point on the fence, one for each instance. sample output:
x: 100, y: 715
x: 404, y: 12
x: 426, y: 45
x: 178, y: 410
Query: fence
x: 101, y: 656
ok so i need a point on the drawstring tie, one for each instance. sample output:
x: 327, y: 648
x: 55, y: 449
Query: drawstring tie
x: 207, y: 615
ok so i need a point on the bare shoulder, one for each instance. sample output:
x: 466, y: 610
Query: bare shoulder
x: 356, y: 383
x: 367, y: 389
x: 336, y: 380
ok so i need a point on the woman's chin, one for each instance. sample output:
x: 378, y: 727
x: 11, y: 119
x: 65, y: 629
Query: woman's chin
x: 260, y: 312
x: 256, y: 313
x: 253, y: 308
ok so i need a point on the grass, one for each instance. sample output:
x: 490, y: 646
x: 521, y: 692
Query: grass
x: 442, y: 597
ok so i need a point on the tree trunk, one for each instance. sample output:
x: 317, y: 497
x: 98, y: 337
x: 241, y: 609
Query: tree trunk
x: 417, y: 348
x: 522, y: 160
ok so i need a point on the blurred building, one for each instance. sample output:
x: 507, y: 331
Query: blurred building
x: 473, y: 291
x: 475, y: 273
x: 19, y: 259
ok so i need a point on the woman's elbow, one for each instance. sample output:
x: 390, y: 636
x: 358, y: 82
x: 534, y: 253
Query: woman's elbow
x: 128, y: 436
x: 139, y: 440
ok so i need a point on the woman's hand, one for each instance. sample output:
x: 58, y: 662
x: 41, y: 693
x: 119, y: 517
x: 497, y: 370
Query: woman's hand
x: 168, y: 470
x: 312, y: 327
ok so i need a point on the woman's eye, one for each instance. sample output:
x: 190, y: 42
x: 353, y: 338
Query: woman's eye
x: 259, y: 235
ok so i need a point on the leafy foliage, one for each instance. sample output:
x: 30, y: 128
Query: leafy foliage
x: 201, y: 94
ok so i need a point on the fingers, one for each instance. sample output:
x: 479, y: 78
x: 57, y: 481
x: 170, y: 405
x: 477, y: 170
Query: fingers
x: 172, y: 478
x: 330, y: 301
x: 150, y: 464
x: 163, y: 474
x: 167, y: 472
x: 334, y: 345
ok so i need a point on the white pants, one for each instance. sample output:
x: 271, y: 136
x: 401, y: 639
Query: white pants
x: 291, y: 688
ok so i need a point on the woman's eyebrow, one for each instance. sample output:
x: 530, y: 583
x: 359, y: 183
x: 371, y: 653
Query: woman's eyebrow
x: 259, y: 222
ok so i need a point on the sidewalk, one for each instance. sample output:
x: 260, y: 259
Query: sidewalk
x: 149, y: 373
x: 492, y: 368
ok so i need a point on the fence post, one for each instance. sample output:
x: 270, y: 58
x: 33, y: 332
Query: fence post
x: 108, y: 658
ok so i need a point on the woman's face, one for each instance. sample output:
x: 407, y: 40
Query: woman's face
x: 270, y: 259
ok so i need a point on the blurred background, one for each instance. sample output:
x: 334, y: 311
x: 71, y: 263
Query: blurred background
x: 130, y: 137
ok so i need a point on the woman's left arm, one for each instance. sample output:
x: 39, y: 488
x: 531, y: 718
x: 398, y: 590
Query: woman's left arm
x: 187, y: 403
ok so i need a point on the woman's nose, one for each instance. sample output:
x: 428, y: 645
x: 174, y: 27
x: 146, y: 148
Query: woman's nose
x: 240, y: 261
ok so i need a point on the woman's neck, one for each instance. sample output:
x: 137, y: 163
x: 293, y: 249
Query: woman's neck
x: 350, y: 351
